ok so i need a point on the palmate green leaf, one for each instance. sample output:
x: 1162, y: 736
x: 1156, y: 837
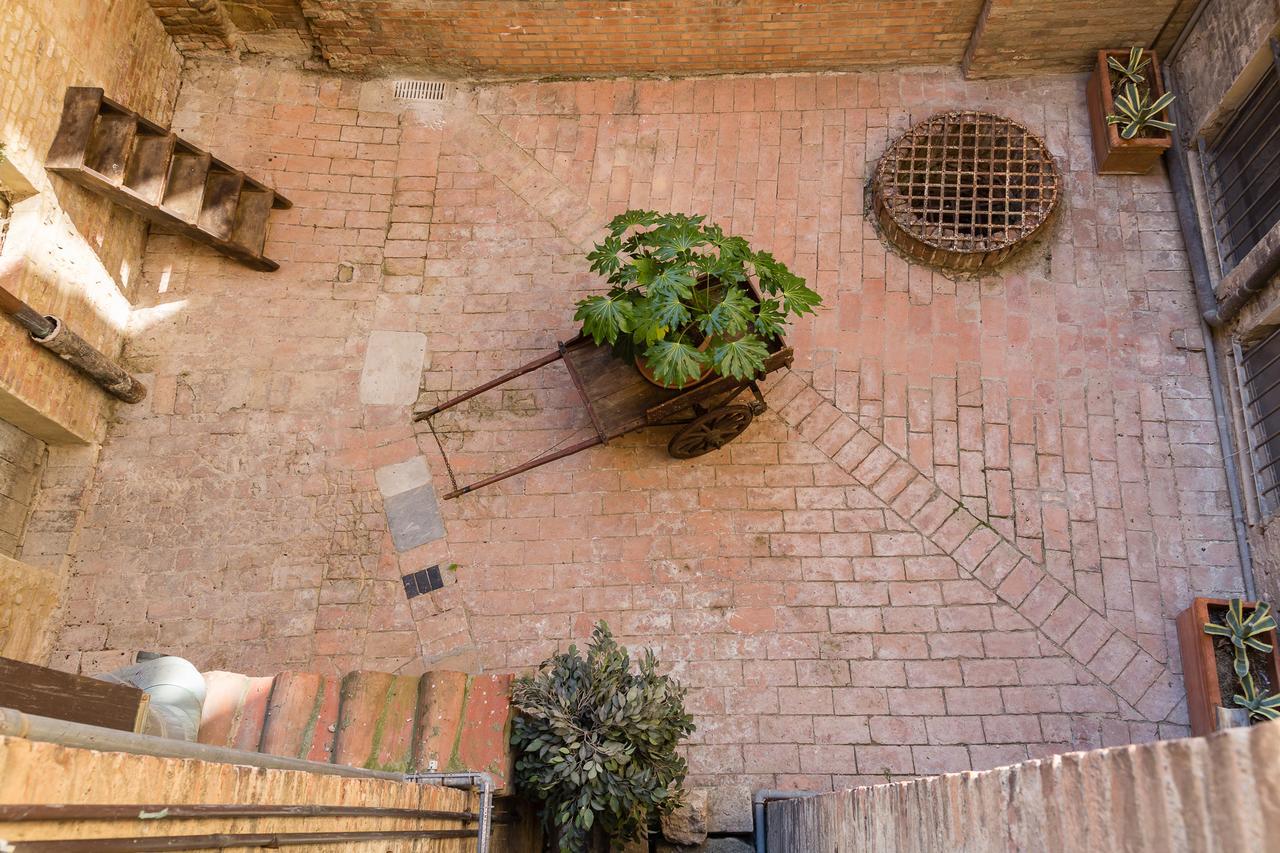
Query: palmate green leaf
x: 742, y: 359
x: 674, y: 282
x: 797, y: 298
x: 603, y: 318
x: 620, y: 223
x: 604, y: 257
x: 668, y: 311
x: 646, y: 327
x: 769, y: 322
x: 730, y: 316
x: 677, y: 242
x: 675, y: 362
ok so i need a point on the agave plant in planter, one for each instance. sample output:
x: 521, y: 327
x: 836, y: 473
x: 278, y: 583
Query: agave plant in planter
x: 1128, y: 112
x: 680, y: 300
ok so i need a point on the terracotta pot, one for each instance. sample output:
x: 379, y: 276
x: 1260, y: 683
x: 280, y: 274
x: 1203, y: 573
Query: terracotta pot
x: 1111, y: 154
x: 1199, y: 663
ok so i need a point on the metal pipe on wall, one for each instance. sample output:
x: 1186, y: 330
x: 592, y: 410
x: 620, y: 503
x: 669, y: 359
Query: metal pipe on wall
x: 1207, y: 302
x: 14, y: 723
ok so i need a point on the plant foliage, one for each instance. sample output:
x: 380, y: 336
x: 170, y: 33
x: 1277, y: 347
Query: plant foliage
x: 1136, y: 111
x: 1245, y: 632
x: 1131, y: 71
x: 596, y: 741
x: 676, y: 297
x: 1260, y: 707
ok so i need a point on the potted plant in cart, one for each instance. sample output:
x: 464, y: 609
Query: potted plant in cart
x: 1229, y: 662
x: 681, y: 301
x: 1128, y: 112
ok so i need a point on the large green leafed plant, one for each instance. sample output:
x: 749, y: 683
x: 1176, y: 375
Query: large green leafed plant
x: 676, y: 298
x: 596, y: 742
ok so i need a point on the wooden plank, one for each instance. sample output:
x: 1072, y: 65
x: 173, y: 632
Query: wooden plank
x: 125, y: 197
x: 218, y: 206
x: 80, y: 108
x: 110, y: 144
x: 147, y: 171
x: 184, y: 193
x: 79, y: 699
x: 251, y: 219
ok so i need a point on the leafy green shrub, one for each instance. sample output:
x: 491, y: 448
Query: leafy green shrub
x: 596, y: 742
x: 676, y: 299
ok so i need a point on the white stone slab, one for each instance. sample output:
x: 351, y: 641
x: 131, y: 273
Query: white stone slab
x: 402, y: 476
x: 392, y: 368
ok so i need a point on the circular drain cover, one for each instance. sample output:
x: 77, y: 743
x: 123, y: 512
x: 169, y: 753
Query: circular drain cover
x: 964, y: 190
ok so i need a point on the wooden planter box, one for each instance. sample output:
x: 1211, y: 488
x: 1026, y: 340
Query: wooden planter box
x: 1199, y: 663
x: 1111, y: 154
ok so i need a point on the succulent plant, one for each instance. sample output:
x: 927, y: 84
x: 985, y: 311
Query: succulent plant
x: 1131, y: 71
x: 1260, y: 707
x: 1136, y: 111
x: 1244, y: 631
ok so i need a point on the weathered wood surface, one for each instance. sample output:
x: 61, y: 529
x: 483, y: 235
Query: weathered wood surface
x: 113, y: 151
x: 50, y: 693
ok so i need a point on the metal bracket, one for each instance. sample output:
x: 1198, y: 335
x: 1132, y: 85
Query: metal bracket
x: 757, y: 406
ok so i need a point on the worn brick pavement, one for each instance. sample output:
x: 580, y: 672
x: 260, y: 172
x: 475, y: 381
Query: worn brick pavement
x: 957, y: 539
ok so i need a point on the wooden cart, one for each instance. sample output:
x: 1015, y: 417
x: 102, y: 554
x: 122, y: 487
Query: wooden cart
x: 619, y: 400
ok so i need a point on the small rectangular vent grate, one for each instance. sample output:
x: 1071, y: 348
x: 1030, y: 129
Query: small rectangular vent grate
x: 421, y: 90
x: 422, y: 582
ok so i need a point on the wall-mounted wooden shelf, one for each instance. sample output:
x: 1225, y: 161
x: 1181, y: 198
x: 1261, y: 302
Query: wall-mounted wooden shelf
x: 138, y: 164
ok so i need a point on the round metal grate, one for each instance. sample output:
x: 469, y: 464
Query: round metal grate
x: 964, y: 190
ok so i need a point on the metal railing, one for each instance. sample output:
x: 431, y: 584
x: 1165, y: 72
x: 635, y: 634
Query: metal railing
x: 15, y: 723
x: 1241, y: 169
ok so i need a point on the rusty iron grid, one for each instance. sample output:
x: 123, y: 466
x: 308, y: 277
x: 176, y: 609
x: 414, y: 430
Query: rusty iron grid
x: 964, y: 190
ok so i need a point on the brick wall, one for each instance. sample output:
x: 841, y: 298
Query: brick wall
x: 20, y: 458
x: 516, y: 38
x: 1209, y: 793
x: 585, y: 37
x: 1028, y: 36
x: 1229, y: 35
x: 81, y: 254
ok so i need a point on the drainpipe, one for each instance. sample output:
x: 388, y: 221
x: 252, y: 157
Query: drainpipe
x: 14, y: 723
x: 1176, y: 160
x: 758, y: 801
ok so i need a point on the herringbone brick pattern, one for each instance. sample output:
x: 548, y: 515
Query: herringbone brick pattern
x: 956, y: 540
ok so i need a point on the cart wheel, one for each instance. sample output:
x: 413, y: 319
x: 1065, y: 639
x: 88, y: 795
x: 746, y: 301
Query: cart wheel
x: 710, y: 432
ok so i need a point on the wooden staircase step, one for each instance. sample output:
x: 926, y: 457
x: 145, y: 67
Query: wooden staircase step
x: 302, y: 716
x: 184, y: 189
x: 464, y: 724
x: 221, y: 198
x: 376, y: 721
x: 251, y: 219
x: 235, y: 708
x: 80, y: 110
x: 147, y: 171
x: 112, y: 150
x: 110, y: 144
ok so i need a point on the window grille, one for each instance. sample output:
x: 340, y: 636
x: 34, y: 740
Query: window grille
x: 1242, y: 170
x: 1259, y: 374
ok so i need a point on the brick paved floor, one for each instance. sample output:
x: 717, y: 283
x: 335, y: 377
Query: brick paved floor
x: 956, y: 540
